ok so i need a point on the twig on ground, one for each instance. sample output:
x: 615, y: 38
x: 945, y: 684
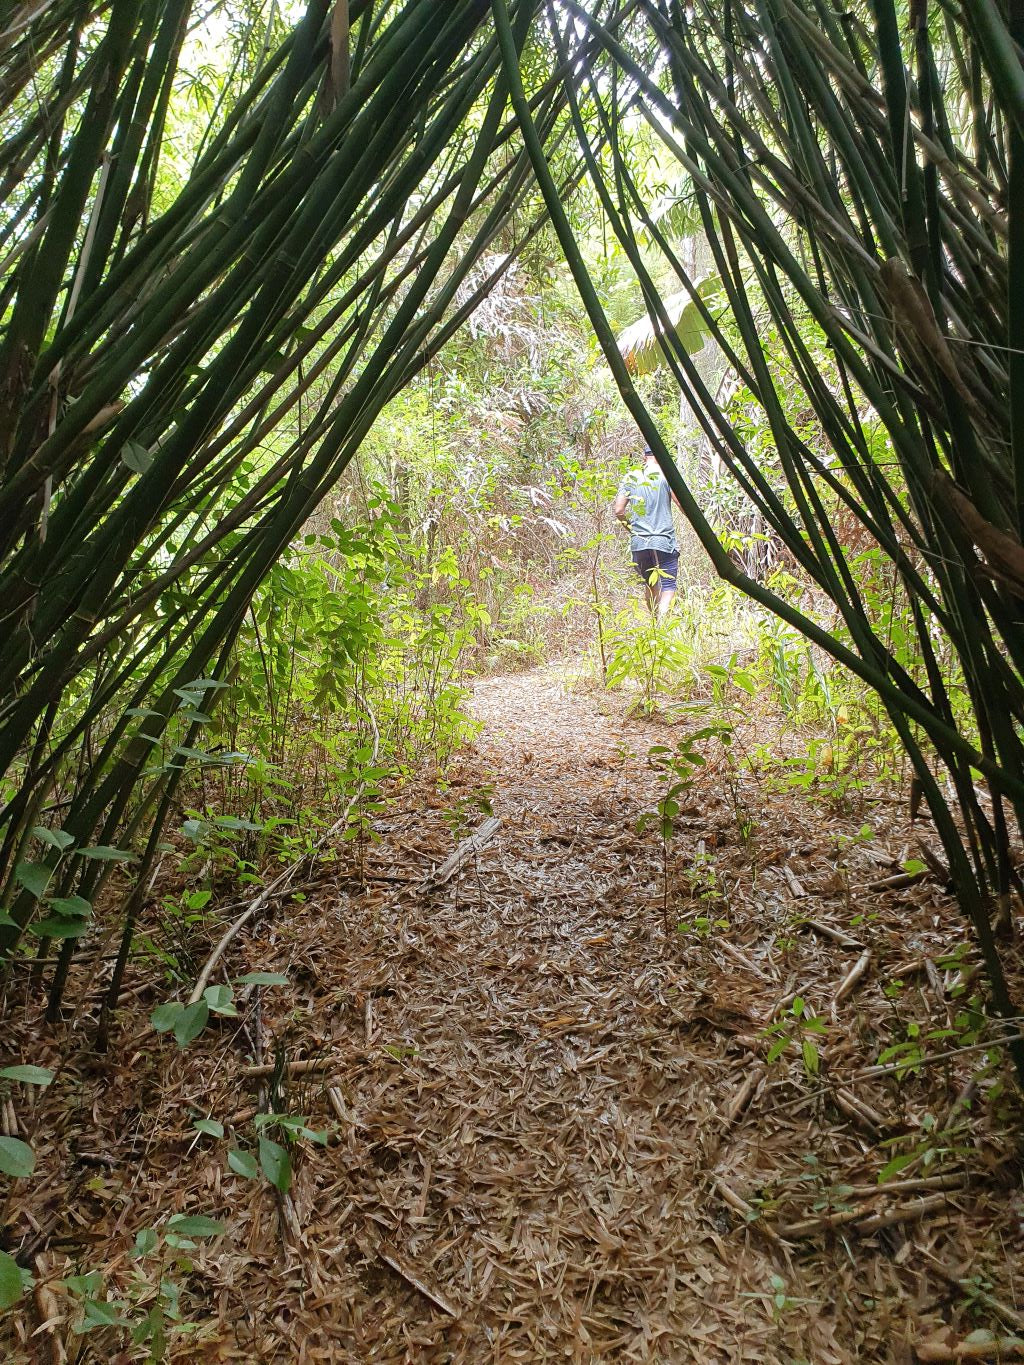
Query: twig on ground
x: 829, y: 931
x: 412, y: 1276
x: 473, y: 843
x: 300, y: 1068
x: 995, y: 1348
x: 853, y: 976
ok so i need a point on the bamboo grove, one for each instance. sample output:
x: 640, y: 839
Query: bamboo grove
x: 857, y: 174
x: 858, y: 177
x: 147, y: 354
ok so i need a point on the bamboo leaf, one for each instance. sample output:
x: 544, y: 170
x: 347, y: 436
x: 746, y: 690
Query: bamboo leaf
x: 195, y: 1225
x: 28, y: 1075
x: 642, y: 345
x: 104, y: 853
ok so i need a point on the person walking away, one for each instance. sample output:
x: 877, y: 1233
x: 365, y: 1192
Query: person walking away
x: 644, y: 504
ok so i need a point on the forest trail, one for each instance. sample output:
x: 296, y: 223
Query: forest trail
x: 554, y: 1107
x: 550, y: 1122
x: 540, y: 1114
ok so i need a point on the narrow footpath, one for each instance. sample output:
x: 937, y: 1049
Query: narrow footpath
x: 554, y: 1131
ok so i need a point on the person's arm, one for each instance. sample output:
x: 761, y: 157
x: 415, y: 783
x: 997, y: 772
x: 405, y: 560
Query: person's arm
x: 671, y: 492
x: 621, y: 507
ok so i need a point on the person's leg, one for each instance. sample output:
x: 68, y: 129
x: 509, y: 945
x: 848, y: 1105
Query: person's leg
x: 646, y: 564
x: 668, y: 573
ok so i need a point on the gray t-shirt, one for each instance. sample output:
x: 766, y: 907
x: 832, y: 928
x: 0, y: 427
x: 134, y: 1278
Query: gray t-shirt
x: 650, y: 510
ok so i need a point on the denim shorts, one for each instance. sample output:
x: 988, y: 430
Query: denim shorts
x: 666, y: 562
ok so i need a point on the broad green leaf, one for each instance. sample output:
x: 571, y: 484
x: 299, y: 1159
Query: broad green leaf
x: 209, y: 1126
x: 219, y: 1000
x: 165, y: 1016
x: 145, y: 1241
x: 235, y: 822
x: 100, y: 1314
x: 242, y: 1163
x: 56, y: 838
x: 191, y: 1022
x: 261, y: 979
x: 81, y: 1285
x: 28, y: 1075
x: 811, y: 1058
x: 894, y: 1166
x: 16, y: 1157
x: 34, y: 877
x: 55, y: 927
x: 197, y: 1225
x: 136, y: 457
x: 276, y: 1164
x: 70, y: 907
x: 105, y: 854
x: 13, y: 1281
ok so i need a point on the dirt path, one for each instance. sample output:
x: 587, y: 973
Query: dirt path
x: 548, y: 1115
x: 553, y: 1146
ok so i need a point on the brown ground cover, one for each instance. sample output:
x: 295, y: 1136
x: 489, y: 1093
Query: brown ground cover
x: 553, y: 1130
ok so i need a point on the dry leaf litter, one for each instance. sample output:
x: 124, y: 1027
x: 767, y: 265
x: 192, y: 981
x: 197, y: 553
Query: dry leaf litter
x: 554, y: 1133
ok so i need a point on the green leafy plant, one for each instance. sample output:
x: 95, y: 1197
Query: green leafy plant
x: 674, y: 767
x: 186, y: 1021
x: 149, y: 1307
x: 799, y: 1028
x: 273, y: 1157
